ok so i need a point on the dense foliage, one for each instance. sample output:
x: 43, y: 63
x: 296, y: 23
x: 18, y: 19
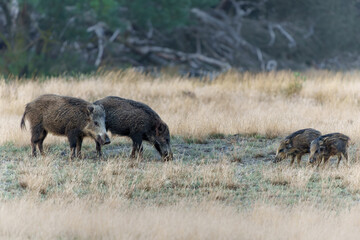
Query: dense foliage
x: 52, y: 37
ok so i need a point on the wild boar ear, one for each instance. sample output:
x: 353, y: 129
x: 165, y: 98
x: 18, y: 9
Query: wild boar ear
x: 90, y: 110
x: 160, y: 128
x: 101, y: 106
x: 288, y: 143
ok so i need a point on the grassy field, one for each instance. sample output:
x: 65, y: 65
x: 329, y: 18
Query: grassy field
x: 222, y: 183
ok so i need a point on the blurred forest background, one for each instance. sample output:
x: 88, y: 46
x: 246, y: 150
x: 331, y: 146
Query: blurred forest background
x: 195, y: 37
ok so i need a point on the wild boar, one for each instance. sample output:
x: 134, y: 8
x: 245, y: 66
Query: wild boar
x: 323, y: 147
x: 296, y: 145
x: 65, y: 116
x: 138, y: 121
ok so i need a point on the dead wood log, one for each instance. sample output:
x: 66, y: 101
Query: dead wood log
x: 177, y: 56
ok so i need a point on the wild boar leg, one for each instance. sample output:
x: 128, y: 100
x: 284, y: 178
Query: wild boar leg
x: 78, y: 146
x: 137, y: 146
x: 36, y: 132
x: 33, y: 147
x: 72, y: 151
x: 346, y: 157
x: 319, y: 161
x: 299, y: 159
x: 326, y: 158
x: 339, y: 159
x: 98, y: 149
x: 72, y: 137
x: 41, y: 141
x: 292, y: 160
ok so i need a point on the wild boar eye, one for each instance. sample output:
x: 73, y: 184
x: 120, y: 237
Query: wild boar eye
x: 281, y: 150
x: 96, y: 123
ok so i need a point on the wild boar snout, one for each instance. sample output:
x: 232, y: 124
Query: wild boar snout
x: 277, y: 159
x: 103, y: 139
x: 280, y: 155
x: 167, y: 156
x: 312, y: 158
x: 107, y: 139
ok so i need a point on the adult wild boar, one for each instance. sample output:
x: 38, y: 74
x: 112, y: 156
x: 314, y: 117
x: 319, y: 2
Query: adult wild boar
x: 66, y: 116
x: 138, y: 121
x: 323, y: 147
x: 296, y: 145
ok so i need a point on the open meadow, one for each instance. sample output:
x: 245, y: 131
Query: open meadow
x: 222, y: 183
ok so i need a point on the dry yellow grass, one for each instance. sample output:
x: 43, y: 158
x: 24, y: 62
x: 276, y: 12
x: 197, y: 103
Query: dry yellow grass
x: 122, y: 199
x: 266, y: 103
x: 121, y: 178
x: 329, y: 176
x: 119, y: 220
x: 294, y: 177
x: 114, y: 214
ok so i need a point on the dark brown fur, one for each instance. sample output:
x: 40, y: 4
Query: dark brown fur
x: 323, y: 147
x: 296, y: 145
x: 65, y: 116
x: 138, y: 121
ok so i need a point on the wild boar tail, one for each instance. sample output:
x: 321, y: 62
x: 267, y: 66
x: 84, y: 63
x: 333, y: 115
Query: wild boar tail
x: 349, y: 142
x: 22, y: 124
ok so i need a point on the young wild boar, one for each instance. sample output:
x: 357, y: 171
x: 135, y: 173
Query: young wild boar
x: 67, y: 116
x: 139, y: 122
x: 323, y: 147
x: 296, y: 145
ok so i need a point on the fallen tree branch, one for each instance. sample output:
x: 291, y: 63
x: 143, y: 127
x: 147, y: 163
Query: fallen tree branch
x: 99, y: 31
x: 173, y: 55
x: 226, y: 32
x: 292, y: 42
